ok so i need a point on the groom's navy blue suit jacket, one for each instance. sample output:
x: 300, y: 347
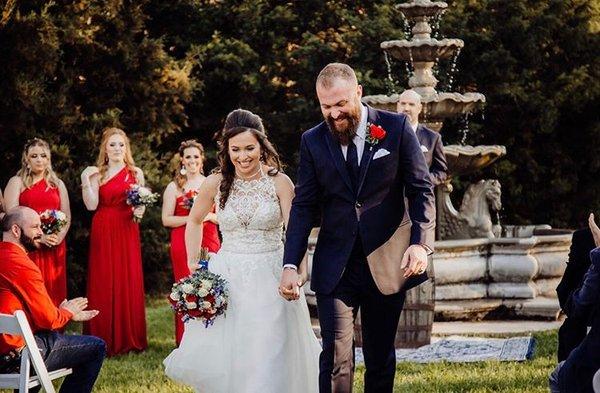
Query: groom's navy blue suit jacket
x: 375, y: 210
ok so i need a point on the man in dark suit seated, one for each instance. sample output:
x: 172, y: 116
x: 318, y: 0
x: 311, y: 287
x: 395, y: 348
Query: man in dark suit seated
x: 574, y: 330
x: 430, y: 141
x: 575, y: 374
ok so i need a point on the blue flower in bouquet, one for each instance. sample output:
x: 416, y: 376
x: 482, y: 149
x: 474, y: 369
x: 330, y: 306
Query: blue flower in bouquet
x: 141, y: 196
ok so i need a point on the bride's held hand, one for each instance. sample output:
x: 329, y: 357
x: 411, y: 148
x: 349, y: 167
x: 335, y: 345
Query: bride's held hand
x: 289, y: 284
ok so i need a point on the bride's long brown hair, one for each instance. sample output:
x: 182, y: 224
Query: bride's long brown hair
x: 237, y: 122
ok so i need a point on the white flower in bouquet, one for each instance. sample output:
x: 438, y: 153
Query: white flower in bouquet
x: 206, y: 305
x: 191, y: 305
x: 202, y: 292
x: 206, y: 284
x: 174, y: 296
x: 187, y: 288
x: 144, y: 192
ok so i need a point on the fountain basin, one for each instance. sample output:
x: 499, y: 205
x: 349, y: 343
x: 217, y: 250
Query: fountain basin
x: 482, y: 275
x: 465, y: 159
x: 423, y: 50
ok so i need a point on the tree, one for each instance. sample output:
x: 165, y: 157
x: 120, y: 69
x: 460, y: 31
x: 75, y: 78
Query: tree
x: 69, y: 70
x: 536, y: 63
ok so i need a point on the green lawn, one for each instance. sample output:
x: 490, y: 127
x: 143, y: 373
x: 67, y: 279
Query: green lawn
x: 144, y: 372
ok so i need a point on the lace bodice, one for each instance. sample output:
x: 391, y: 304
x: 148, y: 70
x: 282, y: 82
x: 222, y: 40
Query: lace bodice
x: 251, y: 221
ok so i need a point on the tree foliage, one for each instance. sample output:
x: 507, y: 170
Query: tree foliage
x: 166, y: 71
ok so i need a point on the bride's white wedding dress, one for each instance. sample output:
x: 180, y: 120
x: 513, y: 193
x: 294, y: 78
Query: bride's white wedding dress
x: 264, y: 343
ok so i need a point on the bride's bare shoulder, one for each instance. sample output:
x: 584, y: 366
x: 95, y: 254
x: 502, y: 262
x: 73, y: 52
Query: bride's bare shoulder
x: 283, y: 182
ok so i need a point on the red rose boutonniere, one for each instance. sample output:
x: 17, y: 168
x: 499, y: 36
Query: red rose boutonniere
x: 374, y: 134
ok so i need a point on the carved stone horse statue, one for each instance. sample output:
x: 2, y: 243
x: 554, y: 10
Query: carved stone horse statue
x: 473, y: 220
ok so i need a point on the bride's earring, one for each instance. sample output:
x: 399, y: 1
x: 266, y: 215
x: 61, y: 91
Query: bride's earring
x: 183, y: 171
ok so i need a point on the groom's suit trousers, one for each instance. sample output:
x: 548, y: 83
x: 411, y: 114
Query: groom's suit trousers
x: 379, y: 318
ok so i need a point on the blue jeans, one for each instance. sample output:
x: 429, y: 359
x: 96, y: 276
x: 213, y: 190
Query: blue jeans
x: 84, y: 354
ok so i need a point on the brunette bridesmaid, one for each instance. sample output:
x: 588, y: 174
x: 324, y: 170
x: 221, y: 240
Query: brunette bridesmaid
x: 178, y: 199
x: 37, y: 186
x: 115, y: 284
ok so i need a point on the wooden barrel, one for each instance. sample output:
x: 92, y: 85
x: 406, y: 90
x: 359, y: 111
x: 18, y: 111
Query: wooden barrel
x: 416, y: 320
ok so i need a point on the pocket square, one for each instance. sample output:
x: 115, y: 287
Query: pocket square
x: 424, y: 149
x: 380, y: 153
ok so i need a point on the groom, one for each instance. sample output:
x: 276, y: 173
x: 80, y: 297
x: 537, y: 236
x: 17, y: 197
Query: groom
x: 355, y: 170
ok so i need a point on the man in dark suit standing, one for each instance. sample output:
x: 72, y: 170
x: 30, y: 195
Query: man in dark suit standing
x: 355, y: 170
x: 575, y: 374
x: 430, y: 141
x: 573, y: 330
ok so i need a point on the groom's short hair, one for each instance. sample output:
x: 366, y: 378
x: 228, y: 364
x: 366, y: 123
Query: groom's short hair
x: 333, y: 71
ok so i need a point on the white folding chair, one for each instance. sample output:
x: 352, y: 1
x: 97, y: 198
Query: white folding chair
x: 17, y: 325
x: 596, y: 382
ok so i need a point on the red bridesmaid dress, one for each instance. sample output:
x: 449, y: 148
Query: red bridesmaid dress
x: 52, y: 261
x: 210, y: 240
x: 115, y: 284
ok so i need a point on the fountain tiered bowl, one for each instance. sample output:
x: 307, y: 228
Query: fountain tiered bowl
x: 422, y: 8
x: 465, y: 159
x: 436, y: 107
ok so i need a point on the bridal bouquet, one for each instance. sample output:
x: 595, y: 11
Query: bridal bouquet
x: 188, y: 199
x: 140, y: 196
x: 52, y: 221
x: 203, y: 295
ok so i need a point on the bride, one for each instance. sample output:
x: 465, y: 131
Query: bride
x: 264, y: 343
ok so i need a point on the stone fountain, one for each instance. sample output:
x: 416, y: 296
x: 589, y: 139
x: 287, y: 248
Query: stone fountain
x: 481, y: 268
x: 423, y: 52
x: 477, y: 271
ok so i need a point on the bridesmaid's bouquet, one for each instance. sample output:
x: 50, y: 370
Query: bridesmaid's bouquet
x: 203, y: 295
x: 52, y: 221
x: 188, y: 199
x: 140, y: 196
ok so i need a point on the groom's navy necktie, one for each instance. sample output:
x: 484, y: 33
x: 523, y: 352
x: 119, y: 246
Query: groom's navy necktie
x: 352, y: 164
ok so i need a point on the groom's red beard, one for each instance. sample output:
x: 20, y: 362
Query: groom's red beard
x: 345, y: 134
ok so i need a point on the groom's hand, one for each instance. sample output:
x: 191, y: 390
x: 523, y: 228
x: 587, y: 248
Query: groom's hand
x: 288, y: 286
x: 414, y: 260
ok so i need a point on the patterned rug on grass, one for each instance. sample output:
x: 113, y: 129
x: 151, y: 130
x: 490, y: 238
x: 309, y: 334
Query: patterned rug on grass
x: 466, y: 349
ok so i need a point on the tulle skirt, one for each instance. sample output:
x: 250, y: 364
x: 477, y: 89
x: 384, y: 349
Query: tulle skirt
x: 263, y: 344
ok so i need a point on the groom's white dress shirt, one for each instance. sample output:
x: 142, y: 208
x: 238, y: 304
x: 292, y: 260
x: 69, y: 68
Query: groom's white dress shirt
x: 361, y: 134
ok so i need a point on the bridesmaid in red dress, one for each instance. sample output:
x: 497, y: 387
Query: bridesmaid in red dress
x: 176, y: 207
x: 115, y: 284
x: 37, y: 186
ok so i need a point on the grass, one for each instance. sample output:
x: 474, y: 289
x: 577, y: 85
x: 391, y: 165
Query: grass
x: 143, y: 372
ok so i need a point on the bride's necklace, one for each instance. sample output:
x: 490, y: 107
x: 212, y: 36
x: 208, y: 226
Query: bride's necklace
x: 246, y: 178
